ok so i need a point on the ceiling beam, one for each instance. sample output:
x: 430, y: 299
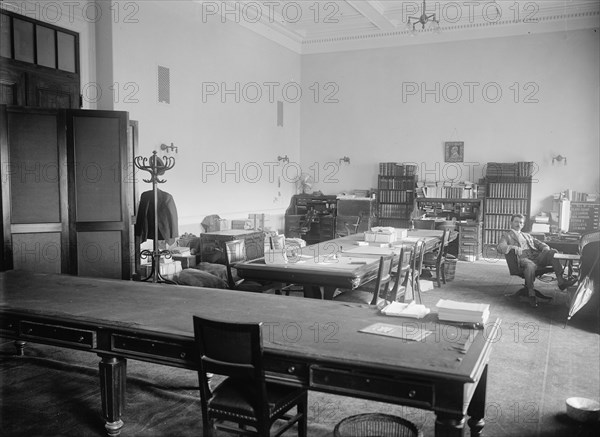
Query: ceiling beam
x: 373, y: 13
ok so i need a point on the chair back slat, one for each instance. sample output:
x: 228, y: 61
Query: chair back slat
x: 416, y: 265
x: 229, y: 349
x: 397, y: 277
x: 384, y: 276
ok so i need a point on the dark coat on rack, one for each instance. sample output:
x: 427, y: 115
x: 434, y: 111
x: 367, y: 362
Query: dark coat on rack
x: 166, y: 212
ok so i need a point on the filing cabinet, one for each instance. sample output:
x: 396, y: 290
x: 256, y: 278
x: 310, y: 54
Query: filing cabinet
x: 469, y: 241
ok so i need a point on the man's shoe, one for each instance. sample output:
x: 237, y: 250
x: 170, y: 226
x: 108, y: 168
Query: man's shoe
x: 566, y: 283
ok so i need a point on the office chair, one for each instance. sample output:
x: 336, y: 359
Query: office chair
x: 245, y: 399
x: 515, y: 270
x: 235, y: 252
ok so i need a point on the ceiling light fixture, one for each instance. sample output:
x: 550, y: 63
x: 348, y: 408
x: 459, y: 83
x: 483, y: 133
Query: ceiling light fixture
x: 423, y: 19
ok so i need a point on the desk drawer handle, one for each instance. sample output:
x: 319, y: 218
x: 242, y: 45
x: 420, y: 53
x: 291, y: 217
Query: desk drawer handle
x: 412, y: 394
x: 182, y: 355
x: 81, y: 339
x: 291, y: 369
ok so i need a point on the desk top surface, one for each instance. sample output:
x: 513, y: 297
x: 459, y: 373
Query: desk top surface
x: 319, y: 331
x: 339, y: 262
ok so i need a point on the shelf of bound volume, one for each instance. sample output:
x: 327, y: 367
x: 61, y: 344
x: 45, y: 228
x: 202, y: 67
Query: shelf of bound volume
x: 504, y: 197
x: 395, y: 194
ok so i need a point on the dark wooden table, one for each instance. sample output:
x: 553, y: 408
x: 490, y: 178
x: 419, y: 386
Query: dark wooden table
x: 323, y: 267
x: 312, y: 344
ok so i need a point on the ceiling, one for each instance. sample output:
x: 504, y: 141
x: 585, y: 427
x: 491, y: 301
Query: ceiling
x: 311, y: 26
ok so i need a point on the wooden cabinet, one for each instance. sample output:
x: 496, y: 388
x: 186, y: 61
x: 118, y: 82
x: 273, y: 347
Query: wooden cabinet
x: 363, y: 208
x: 470, y: 246
x: 66, y: 201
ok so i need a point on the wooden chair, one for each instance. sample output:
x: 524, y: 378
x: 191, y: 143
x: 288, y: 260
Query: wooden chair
x: 346, y: 225
x: 235, y: 252
x: 416, y: 265
x: 245, y: 398
x: 515, y: 270
x: 399, y: 278
x: 370, y: 293
x: 435, y: 261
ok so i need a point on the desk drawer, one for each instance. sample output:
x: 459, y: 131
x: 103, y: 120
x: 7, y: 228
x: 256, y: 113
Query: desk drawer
x: 60, y: 334
x: 358, y: 383
x: 284, y: 370
x: 9, y: 326
x: 151, y: 348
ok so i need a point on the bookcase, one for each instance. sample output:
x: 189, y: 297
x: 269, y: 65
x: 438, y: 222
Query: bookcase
x: 396, y: 198
x: 504, y: 197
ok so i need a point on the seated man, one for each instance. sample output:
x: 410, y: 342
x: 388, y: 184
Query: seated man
x: 532, y: 254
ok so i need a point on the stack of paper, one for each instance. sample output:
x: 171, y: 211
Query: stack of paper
x: 454, y: 311
x: 406, y: 310
x: 412, y: 332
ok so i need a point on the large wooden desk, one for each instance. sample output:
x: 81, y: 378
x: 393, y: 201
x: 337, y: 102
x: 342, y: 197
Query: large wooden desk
x: 316, y: 345
x: 320, y: 276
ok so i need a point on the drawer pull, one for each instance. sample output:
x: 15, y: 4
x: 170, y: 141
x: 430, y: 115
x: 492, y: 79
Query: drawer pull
x: 291, y: 369
x: 81, y: 339
x: 412, y: 394
x: 182, y: 355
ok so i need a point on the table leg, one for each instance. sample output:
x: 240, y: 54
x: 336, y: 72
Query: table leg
x: 20, y: 346
x: 113, y: 375
x: 312, y: 292
x: 476, y: 410
x: 449, y: 425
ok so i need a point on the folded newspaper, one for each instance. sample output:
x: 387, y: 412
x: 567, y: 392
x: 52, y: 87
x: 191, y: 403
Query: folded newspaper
x: 411, y: 309
x: 453, y: 311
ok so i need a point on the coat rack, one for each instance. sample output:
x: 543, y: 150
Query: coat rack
x: 156, y: 167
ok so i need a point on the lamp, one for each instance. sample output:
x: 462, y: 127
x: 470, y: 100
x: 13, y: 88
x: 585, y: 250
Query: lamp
x: 166, y: 148
x: 344, y: 159
x: 423, y: 19
x: 559, y: 159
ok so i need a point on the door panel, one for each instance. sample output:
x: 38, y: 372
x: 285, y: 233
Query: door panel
x: 34, y: 185
x: 100, y: 211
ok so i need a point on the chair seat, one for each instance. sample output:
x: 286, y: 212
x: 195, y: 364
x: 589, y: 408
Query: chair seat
x: 238, y: 397
x: 356, y: 296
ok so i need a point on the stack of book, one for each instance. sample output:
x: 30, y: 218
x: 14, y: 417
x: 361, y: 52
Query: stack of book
x: 462, y: 312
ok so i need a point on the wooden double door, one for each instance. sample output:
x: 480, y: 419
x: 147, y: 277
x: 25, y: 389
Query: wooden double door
x: 67, y: 191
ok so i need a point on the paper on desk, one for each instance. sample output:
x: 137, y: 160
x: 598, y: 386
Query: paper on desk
x: 410, y: 332
x: 411, y: 309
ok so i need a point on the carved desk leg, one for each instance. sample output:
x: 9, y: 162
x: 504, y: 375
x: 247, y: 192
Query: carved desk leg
x: 449, y: 425
x: 113, y: 376
x: 476, y: 410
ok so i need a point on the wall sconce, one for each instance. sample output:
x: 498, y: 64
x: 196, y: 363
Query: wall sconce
x: 166, y: 148
x: 283, y: 158
x: 344, y: 159
x: 559, y: 159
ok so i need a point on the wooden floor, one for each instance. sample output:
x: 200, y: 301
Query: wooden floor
x: 535, y: 365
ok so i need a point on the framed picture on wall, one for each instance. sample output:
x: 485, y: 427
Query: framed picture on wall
x: 454, y: 151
